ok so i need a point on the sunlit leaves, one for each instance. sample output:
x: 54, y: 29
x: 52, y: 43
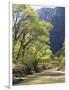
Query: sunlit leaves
x: 31, y: 37
x: 30, y: 12
x: 61, y: 59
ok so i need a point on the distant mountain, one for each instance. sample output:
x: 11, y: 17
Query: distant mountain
x: 57, y: 17
x: 46, y: 13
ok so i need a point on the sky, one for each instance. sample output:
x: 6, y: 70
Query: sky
x: 35, y: 7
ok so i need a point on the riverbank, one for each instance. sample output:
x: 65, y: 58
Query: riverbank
x: 47, y: 76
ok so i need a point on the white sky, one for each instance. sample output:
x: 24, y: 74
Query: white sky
x: 41, y: 6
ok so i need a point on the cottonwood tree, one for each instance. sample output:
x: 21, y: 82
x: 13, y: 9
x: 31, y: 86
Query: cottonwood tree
x: 28, y: 30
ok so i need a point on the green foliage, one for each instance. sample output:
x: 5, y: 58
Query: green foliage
x: 31, y: 41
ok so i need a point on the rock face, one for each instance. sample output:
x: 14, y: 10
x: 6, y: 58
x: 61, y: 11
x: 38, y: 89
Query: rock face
x: 57, y: 17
